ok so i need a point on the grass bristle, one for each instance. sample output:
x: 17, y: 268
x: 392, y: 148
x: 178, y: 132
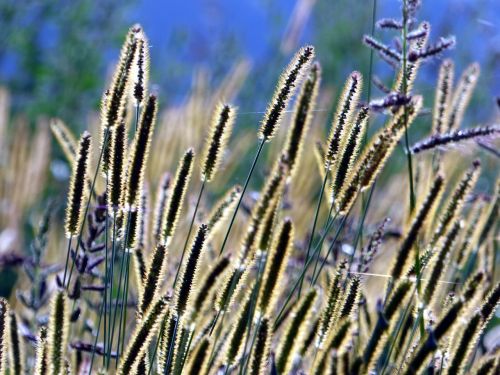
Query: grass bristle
x: 78, y: 188
x: 285, y: 89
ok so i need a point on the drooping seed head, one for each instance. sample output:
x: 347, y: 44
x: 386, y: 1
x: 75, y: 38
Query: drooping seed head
x: 285, y: 89
x: 78, y: 187
x: 220, y: 131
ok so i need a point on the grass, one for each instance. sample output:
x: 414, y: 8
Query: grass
x: 415, y: 279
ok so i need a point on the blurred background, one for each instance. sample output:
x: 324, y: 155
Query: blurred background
x: 55, y: 56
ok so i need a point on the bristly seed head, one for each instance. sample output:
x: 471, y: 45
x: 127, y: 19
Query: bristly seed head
x: 140, y: 152
x: 78, y: 187
x: 345, y: 109
x: 220, y: 131
x: 285, y: 89
x: 176, y: 196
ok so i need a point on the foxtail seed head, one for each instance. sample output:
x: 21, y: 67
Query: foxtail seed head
x: 78, y: 187
x: 176, y: 196
x: 462, y: 96
x: 140, y: 152
x: 188, y: 278
x: 142, y: 337
x: 442, y: 101
x: 343, y: 117
x: 302, y: 118
x: 140, y: 69
x: 275, y: 268
x: 456, y: 201
x: 58, y: 332
x: 295, y: 332
x: 16, y: 347
x: 220, y: 131
x: 41, y: 363
x: 4, y: 335
x: 65, y: 138
x: 350, y: 151
x: 162, y: 193
x: 285, y: 89
x: 154, y: 277
x: 117, y: 168
x: 261, y: 351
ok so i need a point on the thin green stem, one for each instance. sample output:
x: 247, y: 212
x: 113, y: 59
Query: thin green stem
x: 166, y: 370
x: 316, y: 214
x: 111, y: 282
x: 189, y: 232
x: 405, y: 89
x: 67, y: 261
x: 324, y: 227
x: 254, y: 163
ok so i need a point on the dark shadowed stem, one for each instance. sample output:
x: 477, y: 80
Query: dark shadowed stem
x: 251, y: 313
x: 405, y: 86
x: 166, y: 370
x: 189, y: 232
x: 111, y: 282
x: 126, y: 260
x: 254, y: 163
x: 324, y: 228
x: 123, y: 312
x: 396, y: 334
x: 67, y: 261
x: 104, y: 145
x: 296, y: 284
x: 359, y: 233
x: 316, y: 214
x: 370, y: 69
x: 103, y: 307
x: 153, y: 356
x: 407, y: 347
x: 332, y: 245
x: 365, y: 137
x: 106, y: 274
x: 122, y: 266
